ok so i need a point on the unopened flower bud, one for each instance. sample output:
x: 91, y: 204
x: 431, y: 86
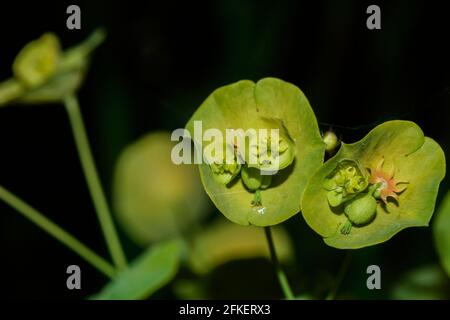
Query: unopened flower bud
x: 331, y: 141
x: 37, y: 61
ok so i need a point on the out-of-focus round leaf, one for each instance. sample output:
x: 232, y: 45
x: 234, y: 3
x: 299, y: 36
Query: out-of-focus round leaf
x: 224, y: 241
x: 269, y: 103
x: 149, y: 272
x: 428, y: 282
x: 412, y: 158
x: 153, y: 197
x: 441, y: 230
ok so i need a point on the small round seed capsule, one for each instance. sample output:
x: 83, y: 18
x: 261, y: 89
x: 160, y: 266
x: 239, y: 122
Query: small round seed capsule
x: 255, y: 181
x: 251, y: 177
x: 266, y: 181
x: 362, y: 209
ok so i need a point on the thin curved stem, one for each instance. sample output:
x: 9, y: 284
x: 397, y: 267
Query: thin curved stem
x: 57, y: 232
x: 282, y: 279
x: 340, y: 276
x: 93, y: 181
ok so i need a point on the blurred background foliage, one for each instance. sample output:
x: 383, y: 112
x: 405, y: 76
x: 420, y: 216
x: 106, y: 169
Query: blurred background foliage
x: 154, y: 198
x: 159, y: 61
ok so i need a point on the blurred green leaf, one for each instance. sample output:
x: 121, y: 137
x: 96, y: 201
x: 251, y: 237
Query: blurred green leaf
x: 224, y: 241
x: 441, y: 231
x: 149, y: 272
x: 153, y: 198
x: 424, y: 283
x: 59, y: 86
x: 10, y: 90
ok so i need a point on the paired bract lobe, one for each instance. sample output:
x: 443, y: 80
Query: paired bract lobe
x: 264, y: 184
x: 372, y: 189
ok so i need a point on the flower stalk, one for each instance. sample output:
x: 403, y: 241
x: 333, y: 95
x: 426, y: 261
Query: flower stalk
x: 57, y: 232
x: 93, y: 181
x: 282, y: 279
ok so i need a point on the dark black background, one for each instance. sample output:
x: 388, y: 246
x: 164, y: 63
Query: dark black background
x: 161, y: 59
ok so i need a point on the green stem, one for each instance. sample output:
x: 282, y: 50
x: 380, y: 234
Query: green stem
x: 342, y: 271
x: 282, y: 279
x: 57, y: 232
x: 93, y: 181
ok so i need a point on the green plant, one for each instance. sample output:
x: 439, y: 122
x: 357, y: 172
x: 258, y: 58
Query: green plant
x: 366, y: 193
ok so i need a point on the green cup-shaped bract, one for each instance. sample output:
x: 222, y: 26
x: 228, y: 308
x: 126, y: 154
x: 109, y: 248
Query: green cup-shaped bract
x: 254, y: 180
x: 411, y: 160
x: 441, y: 230
x: 270, y: 103
x: 154, y: 198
